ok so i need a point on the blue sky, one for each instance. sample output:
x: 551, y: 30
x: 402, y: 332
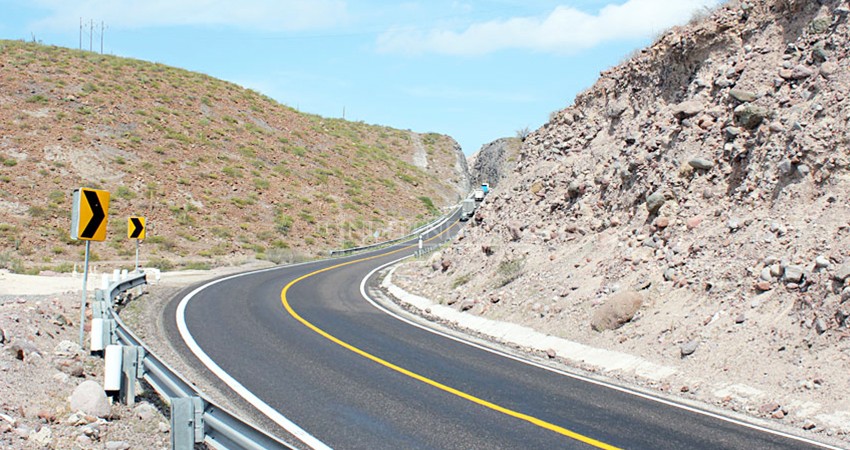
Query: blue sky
x: 475, y: 70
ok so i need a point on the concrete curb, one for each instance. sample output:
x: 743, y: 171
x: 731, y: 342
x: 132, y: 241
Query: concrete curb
x: 605, y: 360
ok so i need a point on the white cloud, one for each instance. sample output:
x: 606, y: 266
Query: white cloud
x: 267, y: 15
x: 565, y: 30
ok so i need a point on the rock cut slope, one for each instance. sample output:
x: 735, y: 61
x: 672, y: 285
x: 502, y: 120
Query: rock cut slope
x: 706, y: 182
x: 494, y: 161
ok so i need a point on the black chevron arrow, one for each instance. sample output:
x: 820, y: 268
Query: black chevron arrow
x: 97, y: 215
x: 137, y: 227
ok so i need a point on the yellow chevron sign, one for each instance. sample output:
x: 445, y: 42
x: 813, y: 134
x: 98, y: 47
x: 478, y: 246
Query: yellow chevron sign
x: 136, y: 228
x: 89, y: 215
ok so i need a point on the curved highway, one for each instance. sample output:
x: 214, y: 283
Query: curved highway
x: 305, y: 342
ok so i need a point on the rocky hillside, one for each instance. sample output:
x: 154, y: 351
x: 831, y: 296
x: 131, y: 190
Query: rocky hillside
x: 494, y: 161
x: 219, y: 172
x: 706, y: 181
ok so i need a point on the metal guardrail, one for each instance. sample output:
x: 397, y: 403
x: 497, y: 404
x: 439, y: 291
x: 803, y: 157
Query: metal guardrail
x: 194, y: 418
x: 418, y: 231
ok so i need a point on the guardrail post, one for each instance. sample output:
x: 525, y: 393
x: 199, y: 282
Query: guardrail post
x: 98, y: 307
x: 132, y: 369
x: 112, y: 368
x: 96, y: 335
x: 102, y: 333
x: 108, y: 332
x: 187, y: 422
x: 101, y: 326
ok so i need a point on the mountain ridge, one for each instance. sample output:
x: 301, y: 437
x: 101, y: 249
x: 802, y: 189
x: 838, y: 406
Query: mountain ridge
x: 220, y: 172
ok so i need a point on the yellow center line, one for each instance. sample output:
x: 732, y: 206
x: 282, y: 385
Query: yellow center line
x: 423, y: 379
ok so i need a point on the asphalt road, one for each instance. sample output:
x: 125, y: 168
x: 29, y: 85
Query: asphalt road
x: 355, y: 377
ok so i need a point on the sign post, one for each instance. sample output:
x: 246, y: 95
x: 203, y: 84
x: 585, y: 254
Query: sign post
x: 136, y: 230
x: 88, y: 223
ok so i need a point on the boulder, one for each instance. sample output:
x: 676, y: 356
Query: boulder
x: 145, y: 411
x: 793, y: 273
x: 701, y: 163
x: 515, y: 232
x: 750, y: 116
x: 687, y: 109
x: 22, y: 349
x: 742, y: 95
x: 68, y: 349
x: 843, y: 272
x: 616, y: 109
x: 693, y: 222
x: 72, y: 367
x: 654, y: 202
x: 617, y: 310
x: 435, y: 260
x: 820, y: 25
x: 90, y: 398
x: 42, y: 438
x: 688, y: 348
x: 445, y: 264
x: 798, y: 72
x: 820, y: 326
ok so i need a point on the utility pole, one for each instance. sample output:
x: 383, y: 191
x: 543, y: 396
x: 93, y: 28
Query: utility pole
x: 101, y: 37
x: 81, y: 33
x: 91, y: 35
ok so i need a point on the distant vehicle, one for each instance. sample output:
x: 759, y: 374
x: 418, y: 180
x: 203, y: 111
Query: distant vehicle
x: 478, y: 195
x: 486, y: 188
x: 467, y: 209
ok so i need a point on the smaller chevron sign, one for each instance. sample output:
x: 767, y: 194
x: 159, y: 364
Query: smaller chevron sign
x: 136, y: 228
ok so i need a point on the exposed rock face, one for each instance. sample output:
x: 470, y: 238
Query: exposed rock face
x: 442, y: 157
x: 494, y: 161
x: 725, y: 130
x: 711, y: 170
x: 462, y: 180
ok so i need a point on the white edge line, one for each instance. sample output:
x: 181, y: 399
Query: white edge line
x: 580, y: 377
x: 231, y: 382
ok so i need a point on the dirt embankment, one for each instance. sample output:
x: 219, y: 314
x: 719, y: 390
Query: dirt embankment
x: 708, y: 179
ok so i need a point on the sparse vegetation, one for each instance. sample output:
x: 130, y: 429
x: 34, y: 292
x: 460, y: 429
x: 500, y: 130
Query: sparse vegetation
x: 429, y: 205
x: 160, y: 263
x: 184, y: 140
x: 232, y: 172
x: 523, y: 133
x: 509, y: 271
x: 283, y: 223
x: 38, y: 98
x: 461, y: 280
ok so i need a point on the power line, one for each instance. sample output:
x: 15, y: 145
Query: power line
x: 91, y: 32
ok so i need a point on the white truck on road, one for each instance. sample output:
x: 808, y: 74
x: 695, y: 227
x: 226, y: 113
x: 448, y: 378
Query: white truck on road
x: 467, y: 209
